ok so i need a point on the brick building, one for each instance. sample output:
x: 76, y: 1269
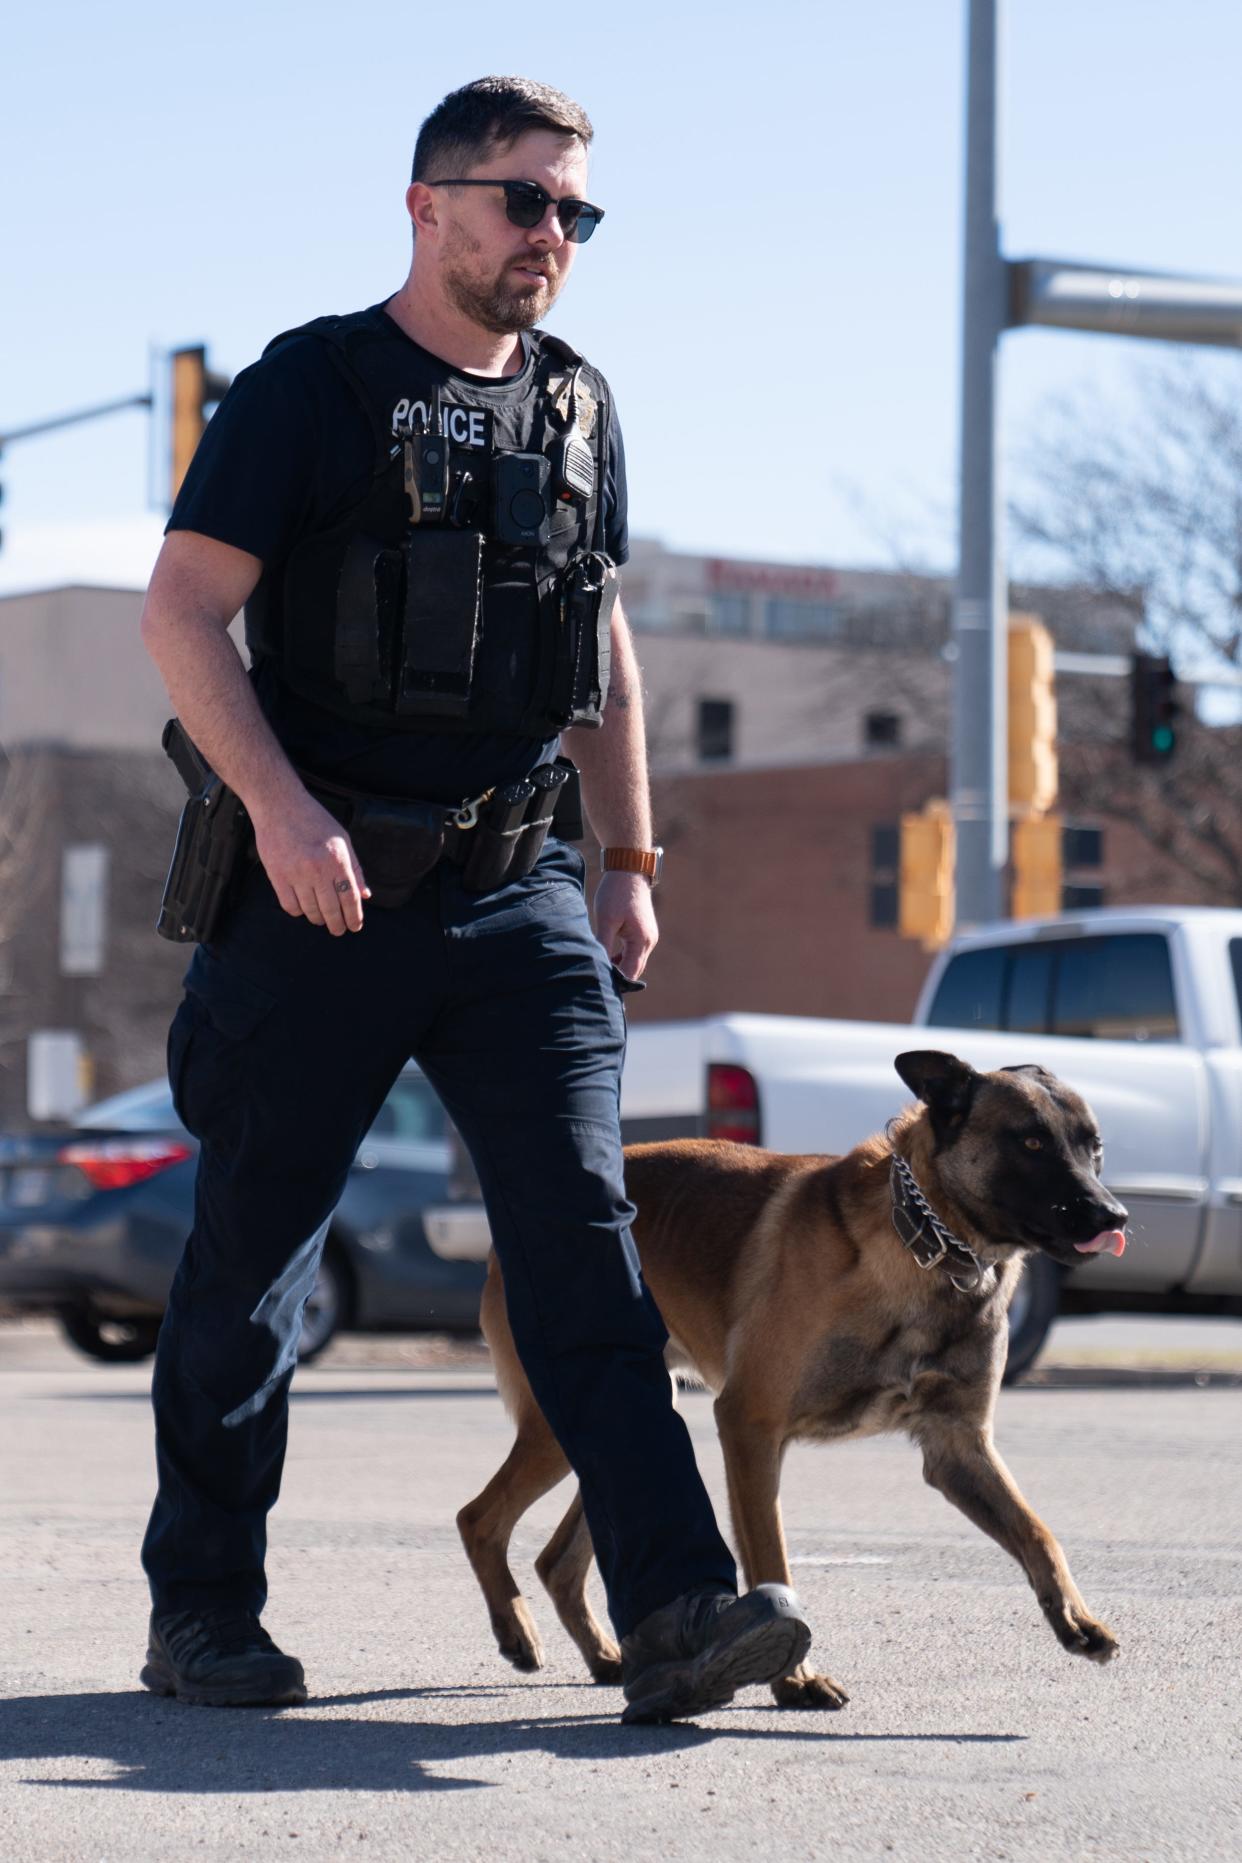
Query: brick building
x: 794, y: 714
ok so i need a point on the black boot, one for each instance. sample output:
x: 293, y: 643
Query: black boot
x: 692, y: 1655
x: 220, y: 1658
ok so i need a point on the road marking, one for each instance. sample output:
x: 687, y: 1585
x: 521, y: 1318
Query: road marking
x: 838, y: 1559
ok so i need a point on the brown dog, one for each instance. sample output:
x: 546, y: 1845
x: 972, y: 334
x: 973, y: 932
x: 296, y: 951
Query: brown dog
x: 823, y: 1298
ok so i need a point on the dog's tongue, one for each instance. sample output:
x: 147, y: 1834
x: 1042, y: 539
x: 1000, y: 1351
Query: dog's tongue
x: 1108, y: 1242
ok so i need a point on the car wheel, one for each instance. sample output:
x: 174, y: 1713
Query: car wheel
x: 325, y: 1307
x: 1032, y: 1311
x: 114, y: 1341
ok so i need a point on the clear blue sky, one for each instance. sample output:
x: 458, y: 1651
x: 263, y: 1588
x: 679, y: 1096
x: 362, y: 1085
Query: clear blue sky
x: 774, y: 294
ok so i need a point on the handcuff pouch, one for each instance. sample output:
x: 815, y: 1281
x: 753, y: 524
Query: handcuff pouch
x: 397, y: 844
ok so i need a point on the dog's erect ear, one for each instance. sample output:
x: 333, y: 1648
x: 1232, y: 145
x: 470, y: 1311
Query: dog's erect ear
x: 1031, y: 1067
x: 941, y: 1081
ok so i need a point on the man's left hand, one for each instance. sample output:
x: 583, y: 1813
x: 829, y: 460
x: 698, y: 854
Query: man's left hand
x: 625, y: 921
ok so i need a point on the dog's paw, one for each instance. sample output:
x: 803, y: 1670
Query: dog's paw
x: 517, y: 1639
x: 805, y: 1689
x: 607, y: 1668
x: 1083, y: 1635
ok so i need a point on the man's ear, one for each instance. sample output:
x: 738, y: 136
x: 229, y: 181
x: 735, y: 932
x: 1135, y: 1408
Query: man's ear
x: 944, y: 1084
x: 420, y: 204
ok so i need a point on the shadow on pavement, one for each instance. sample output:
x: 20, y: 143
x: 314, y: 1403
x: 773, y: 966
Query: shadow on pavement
x: 162, y: 1746
x: 385, y: 1395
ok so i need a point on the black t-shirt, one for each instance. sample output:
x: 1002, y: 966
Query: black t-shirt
x: 289, y: 446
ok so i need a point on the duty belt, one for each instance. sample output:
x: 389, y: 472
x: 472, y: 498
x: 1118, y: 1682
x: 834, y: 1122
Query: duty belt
x: 495, y: 838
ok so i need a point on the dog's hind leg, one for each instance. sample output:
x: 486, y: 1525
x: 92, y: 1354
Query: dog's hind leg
x: 534, y: 1465
x: 752, y: 1457
x: 963, y: 1464
x: 563, y: 1566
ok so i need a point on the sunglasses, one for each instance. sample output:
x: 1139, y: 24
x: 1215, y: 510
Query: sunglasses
x: 526, y: 203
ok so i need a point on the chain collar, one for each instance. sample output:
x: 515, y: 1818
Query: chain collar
x: 930, y: 1242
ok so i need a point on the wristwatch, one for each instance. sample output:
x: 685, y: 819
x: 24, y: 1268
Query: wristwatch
x: 649, y: 861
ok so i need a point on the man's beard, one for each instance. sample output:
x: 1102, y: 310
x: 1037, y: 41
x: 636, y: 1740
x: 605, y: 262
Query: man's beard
x: 498, y: 304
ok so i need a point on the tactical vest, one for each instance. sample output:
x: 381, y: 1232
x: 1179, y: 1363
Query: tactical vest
x: 468, y: 588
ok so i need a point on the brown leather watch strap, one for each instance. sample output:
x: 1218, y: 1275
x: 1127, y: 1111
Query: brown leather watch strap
x: 644, y: 860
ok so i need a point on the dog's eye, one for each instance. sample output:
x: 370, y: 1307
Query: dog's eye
x: 1033, y: 1144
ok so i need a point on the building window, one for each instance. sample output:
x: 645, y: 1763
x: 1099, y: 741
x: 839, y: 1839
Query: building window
x: 729, y: 614
x: 1076, y: 898
x: 715, y: 730
x: 787, y: 618
x: 1082, y: 847
x: 885, y: 862
x: 882, y: 730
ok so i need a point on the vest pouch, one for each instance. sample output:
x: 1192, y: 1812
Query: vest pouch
x: 366, y: 594
x: 589, y: 596
x: 440, y: 622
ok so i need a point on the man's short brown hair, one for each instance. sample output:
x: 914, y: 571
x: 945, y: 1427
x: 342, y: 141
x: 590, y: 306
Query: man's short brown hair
x: 487, y: 116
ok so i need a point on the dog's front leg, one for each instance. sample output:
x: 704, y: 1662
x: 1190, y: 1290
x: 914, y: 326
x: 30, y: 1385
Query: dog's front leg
x: 752, y: 1458
x: 962, y: 1463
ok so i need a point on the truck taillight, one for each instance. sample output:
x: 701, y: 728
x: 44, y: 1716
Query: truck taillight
x: 115, y: 1164
x: 732, y: 1103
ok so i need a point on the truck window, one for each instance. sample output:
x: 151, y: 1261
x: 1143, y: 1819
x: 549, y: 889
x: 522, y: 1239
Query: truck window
x: 1235, y: 958
x: 1118, y: 988
x: 1027, y: 1004
x: 968, y: 995
x: 410, y: 1112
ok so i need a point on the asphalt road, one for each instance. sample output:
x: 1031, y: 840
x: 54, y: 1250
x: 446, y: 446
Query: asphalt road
x: 969, y: 1733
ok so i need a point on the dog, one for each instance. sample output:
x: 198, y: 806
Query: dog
x: 822, y: 1298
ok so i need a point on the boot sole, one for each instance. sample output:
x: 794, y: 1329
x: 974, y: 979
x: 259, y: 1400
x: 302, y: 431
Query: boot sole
x: 161, y: 1680
x: 765, y: 1639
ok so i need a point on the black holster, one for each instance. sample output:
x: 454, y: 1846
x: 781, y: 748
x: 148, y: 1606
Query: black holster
x: 211, y: 846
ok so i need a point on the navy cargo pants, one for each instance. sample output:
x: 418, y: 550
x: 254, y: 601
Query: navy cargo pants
x: 280, y: 1056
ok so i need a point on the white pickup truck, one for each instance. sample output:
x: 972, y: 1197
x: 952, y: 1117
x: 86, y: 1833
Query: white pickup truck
x: 1139, y: 1009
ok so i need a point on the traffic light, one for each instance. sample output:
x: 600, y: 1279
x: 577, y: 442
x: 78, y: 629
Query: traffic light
x: 1032, y: 717
x: 1038, y: 865
x: 195, y: 389
x: 1154, y: 708
x: 925, y: 888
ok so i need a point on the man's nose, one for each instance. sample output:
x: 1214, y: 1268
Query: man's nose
x: 549, y: 235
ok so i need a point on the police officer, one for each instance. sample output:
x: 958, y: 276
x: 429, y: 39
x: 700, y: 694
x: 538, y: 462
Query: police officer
x: 422, y: 508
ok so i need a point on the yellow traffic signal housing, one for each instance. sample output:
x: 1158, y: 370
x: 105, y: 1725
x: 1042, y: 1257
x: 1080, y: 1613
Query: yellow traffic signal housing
x: 1032, y: 717
x: 926, y: 903
x: 1037, y: 866
x: 195, y: 388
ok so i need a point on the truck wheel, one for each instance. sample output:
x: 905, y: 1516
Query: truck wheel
x: 326, y: 1307
x: 114, y: 1341
x: 1031, y: 1313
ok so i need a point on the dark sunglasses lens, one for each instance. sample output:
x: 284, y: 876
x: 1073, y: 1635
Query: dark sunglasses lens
x: 578, y: 221
x: 525, y: 204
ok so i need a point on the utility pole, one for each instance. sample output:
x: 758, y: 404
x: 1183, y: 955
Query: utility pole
x: 1000, y: 294
x: 979, y: 753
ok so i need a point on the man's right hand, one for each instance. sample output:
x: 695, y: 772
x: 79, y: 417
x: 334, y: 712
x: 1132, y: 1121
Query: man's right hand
x: 310, y: 861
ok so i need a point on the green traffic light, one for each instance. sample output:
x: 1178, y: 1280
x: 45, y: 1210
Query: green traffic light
x: 1162, y: 739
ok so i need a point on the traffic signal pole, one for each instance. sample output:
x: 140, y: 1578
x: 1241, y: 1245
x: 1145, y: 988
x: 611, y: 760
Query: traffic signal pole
x: 979, y: 751
x: 999, y: 294
x: 195, y: 390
